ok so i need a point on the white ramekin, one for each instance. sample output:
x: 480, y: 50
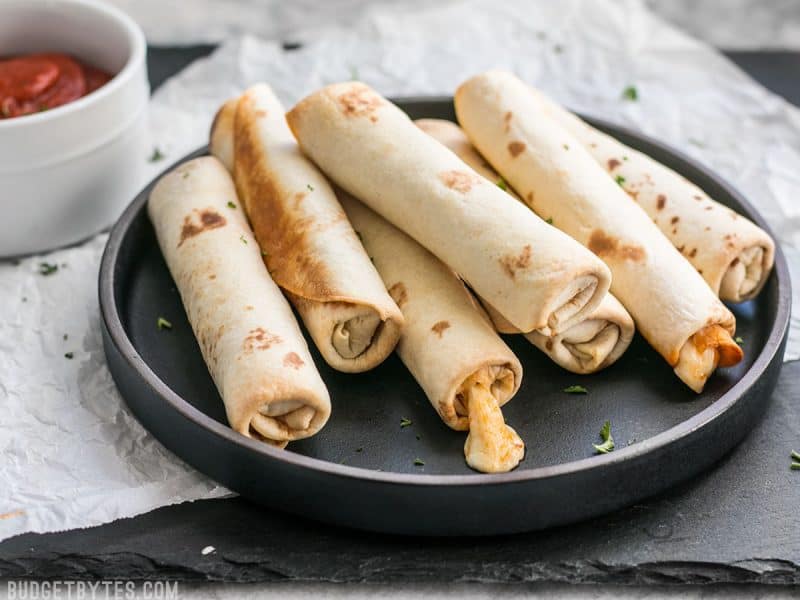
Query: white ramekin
x: 68, y: 172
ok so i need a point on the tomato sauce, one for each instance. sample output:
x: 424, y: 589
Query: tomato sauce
x: 37, y: 82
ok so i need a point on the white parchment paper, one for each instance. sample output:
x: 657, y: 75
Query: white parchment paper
x: 73, y: 456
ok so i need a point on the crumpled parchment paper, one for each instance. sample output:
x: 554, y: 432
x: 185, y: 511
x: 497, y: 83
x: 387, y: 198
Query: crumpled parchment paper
x: 72, y: 454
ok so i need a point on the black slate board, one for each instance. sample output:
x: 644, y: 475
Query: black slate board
x: 738, y: 523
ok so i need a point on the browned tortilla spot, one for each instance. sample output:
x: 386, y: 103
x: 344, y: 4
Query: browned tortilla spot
x: 212, y: 277
x: 674, y: 220
x: 613, y: 163
x: 282, y: 228
x: 593, y: 145
x: 438, y: 328
x: 360, y: 101
x: 709, y: 207
x: 693, y: 253
x: 661, y: 201
x: 735, y: 261
x: 507, y: 121
x: 707, y: 228
x: 208, y: 219
x: 513, y: 263
x: 530, y: 197
x: 698, y: 198
x: 260, y: 339
x: 606, y: 246
x: 681, y: 249
x: 399, y: 293
x: 515, y: 148
x: 249, y: 307
x: 460, y: 181
x: 549, y: 344
x: 700, y: 271
x: 293, y: 360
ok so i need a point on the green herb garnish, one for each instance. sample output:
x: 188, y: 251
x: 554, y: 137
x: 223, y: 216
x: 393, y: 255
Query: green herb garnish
x: 231, y: 204
x: 47, y: 268
x: 738, y: 340
x: 156, y: 156
x: 241, y: 239
x: 310, y: 187
x: 405, y: 423
x: 69, y: 355
x: 630, y: 93
x: 608, y: 441
x: 353, y: 73
x: 558, y: 48
x: 419, y: 462
x: 575, y: 389
x: 620, y: 180
x: 501, y: 183
x: 162, y: 323
x: 360, y: 449
x: 796, y: 455
x: 418, y: 436
x: 65, y: 337
x: 549, y: 220
x: 566, y: 146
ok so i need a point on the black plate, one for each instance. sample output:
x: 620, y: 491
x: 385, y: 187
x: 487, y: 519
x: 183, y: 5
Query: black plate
x: 359, y: 470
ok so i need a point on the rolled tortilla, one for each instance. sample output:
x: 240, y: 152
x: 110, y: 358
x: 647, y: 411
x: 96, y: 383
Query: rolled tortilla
x: 247, y: 333
x: 463, y: 366
x: 309, y: 246
x: 733, y: 255
x: 672, y: 305
x: 532, y: 273
x: 586, y: 347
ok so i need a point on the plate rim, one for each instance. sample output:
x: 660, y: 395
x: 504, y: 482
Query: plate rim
x: 682, y: 430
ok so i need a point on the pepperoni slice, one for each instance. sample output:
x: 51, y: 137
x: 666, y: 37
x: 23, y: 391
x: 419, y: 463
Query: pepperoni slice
x: 27, y: 77
x: 37, y: 82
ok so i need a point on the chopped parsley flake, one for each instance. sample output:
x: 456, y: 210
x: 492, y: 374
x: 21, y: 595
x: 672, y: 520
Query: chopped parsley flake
x: 608, y: 441
x: 566, y: 146
x: 231, y: 204
x: 360, y: 449
x: 419, y: 462
x: 795, y: 455
x: 405, y: 422
x: 620, y: 180
x: 501, y: 183
x: 162, y: 323
x: 418, y: 436
x: 353, y: 73
x: 310, y: 187
x: 65, y: 337
x: 156, y: 156
x: 549, y: 220
x: 264, y: 253
x: 558, y: 48
x: 241, y: 239
x: 795, y: 466
x: 630, y: 93
x: 738, y: 340
x: 575, y: 389
x: 47, y: 268
x: 624, y: 158
x: 69, y: 355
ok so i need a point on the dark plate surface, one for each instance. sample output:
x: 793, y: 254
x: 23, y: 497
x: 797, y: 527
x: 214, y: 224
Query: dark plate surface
x: 359, y: 471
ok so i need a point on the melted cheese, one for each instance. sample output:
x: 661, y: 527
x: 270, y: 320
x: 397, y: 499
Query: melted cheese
x: 491, y: 446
